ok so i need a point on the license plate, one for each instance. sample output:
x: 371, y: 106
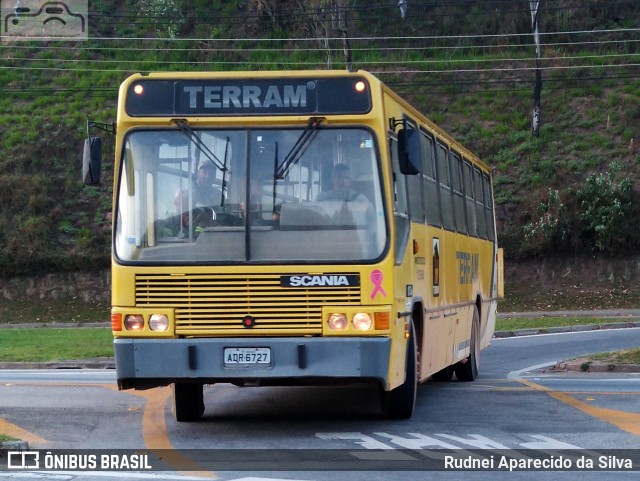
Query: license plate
x: 247, y: 356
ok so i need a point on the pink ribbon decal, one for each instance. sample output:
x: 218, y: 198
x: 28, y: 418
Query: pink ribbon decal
x: 377, y: 277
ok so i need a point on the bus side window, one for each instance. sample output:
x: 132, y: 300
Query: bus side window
x: 467, y: 177
x: 414, y: 192
x: 429, y: 182
x: 446, y: 196
x: 400, y: 213
x: 488, y: 203
x: 458, y: 194
x: 478, y: 196
x: 399, y: 186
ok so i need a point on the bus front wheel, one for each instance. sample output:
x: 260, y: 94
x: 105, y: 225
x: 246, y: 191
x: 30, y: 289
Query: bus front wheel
x: 400, y: 402
x: 188, y: 401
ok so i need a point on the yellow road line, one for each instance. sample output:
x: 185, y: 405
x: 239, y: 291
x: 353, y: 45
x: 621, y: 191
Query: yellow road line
x: 62, y: 384
x: 600, y: 393
x: 629, y: 422
x: 17, y: 432
x: 156, y: 437
x: 154, y: 429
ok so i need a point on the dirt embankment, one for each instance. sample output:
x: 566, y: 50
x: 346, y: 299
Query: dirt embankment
x: 572, y: 283
x: 545, y: 284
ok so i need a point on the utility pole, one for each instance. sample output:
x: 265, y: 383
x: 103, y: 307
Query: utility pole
x: 342, y: 27
x: 534, y: 6
x: 330, y: 17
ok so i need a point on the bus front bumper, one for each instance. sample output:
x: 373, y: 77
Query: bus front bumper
x: 147, y: 363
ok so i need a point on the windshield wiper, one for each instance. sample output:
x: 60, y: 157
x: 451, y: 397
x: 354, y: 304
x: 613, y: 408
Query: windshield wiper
x: 275, y: 179
x: 307, y: 135
x: 224, y: 171
x: 200, y: 145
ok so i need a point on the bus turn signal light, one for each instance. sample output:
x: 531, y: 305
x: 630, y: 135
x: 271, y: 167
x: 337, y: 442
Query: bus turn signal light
x: 116, y: 322
x: 381, y: 320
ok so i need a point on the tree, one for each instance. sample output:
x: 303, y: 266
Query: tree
x: 165, y: 14
x: 330, y: 18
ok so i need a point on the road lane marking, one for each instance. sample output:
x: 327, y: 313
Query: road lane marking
x: 263, y: 479
x: 629, y: 422
x: 515, y: 375
x: 154, y: 428
x: 156, y: 436
x: 16, y: 431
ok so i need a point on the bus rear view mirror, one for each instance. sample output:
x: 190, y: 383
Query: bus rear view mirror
x: 409, y: 156
x: 92, y: 160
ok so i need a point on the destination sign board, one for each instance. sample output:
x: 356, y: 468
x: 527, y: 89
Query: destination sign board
x: 248, y: 97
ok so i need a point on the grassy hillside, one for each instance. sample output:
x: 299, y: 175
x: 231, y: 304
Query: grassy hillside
x: 468, y: 64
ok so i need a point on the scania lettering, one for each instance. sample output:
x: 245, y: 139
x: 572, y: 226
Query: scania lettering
x: 341, y: 237
x: 318, y: 281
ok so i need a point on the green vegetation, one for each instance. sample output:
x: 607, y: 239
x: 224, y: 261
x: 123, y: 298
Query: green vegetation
x: 25, y: 311
x: 44, y: 344
x: 631, y: 356
x: 47, y: 344
x: 516, y: 323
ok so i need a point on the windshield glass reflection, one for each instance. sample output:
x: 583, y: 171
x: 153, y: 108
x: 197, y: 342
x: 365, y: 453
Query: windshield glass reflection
x: 288, y: 195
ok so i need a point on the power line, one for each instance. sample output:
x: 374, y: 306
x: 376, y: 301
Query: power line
x: 351, y: 39
x: 370, y: 62
x: 315, y: 49
x: 518, y: 69
x: 416, y: 10
x: 403, y: 71
x: 461, y: 86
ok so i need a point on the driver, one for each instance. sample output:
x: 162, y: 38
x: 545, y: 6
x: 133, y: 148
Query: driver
x: 178, y: 225
x: 203, y: 191
x: 341, y: 186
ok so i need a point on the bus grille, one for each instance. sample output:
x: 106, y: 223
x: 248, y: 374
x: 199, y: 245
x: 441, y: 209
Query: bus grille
x: 208, y: 304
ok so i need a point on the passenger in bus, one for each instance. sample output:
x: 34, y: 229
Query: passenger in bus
x: 204, y: 193
x: 341, y: 187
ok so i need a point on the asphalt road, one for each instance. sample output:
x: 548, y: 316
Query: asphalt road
x: 514, y: 405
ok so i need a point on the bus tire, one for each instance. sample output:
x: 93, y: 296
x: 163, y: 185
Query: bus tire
x: 400, y: 402
x: 188, y: 401
x: 467, y: 370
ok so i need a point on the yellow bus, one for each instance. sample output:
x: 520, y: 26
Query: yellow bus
x: 293, y: 228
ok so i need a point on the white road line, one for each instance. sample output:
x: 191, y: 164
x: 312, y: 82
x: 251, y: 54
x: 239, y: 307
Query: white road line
x: 264, y: 479
x: 518, y: 374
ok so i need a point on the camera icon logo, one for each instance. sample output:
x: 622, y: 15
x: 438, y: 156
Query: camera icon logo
x: 23, y: 460
x: 48, y: 20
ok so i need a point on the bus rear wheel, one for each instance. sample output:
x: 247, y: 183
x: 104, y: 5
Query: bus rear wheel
x: 188, y: 401
x: 400, y: 402
x: 467, y: 370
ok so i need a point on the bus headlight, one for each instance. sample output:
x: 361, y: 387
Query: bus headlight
x: 337, y: 321
x: 158, y: 322
x: 134, y: 322
x: 362, y: 321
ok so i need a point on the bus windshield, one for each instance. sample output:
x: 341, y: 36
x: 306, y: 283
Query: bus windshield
x: 303, y: 194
